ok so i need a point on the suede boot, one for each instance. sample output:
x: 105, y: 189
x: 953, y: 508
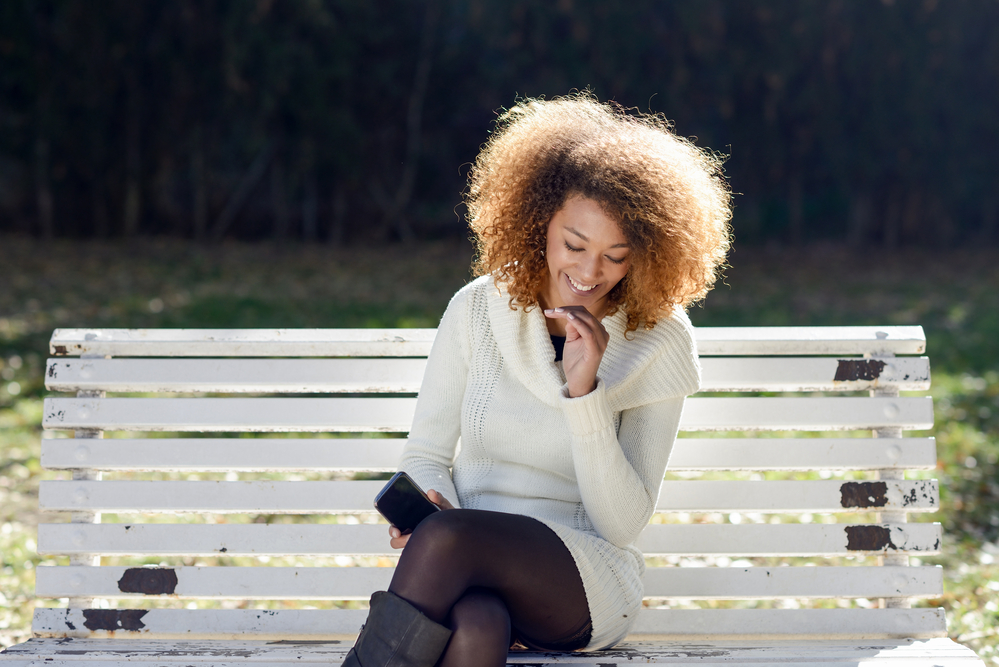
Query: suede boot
x: 397, y: 634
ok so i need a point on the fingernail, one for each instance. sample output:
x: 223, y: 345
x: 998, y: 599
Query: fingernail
x: 558, y: 310
x: 571, y: 316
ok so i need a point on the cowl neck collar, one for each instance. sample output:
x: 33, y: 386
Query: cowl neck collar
x: 645, y: 367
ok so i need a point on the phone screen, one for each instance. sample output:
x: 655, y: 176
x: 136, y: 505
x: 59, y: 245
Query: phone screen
x: 403, y: 503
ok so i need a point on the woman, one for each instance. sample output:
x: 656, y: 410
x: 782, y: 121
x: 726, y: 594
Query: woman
x: 562, y: 372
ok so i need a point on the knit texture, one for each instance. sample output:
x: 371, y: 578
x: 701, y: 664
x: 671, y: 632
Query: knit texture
x: 496, y: 430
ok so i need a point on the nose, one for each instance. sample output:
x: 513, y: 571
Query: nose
x: 590, y: 269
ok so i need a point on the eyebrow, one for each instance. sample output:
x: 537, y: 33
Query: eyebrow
x: 577, y: 233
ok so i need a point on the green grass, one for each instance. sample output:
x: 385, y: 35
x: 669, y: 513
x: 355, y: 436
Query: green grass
x: 170, y: 284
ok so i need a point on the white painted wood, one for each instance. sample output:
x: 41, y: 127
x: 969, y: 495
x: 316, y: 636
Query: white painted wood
x: 813, y: 374
x: 331, y: 539
x: 711, y: 341
x: 277, y: 497
x: 228, y: 653
x: 745, y: 341
x: 396, y: 414
x: 382, y: 454
x: 680, y: 624
x: 405, y: 375
x: 226, y: 454
x: 797, y: 454
x: 789, y: 539
x: 357, y: 583
x: 281, y: 376
x: 231, y: 414
x: 243, y: 342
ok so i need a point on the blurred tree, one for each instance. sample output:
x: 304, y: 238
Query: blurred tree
x: 869, y: 123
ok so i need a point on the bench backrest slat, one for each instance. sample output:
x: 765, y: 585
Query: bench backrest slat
x: 304, y: 376
x: 756, y: 539
x: 711, y: 341
x: 321, y: 455
x: 356, y: 583
x: 396, y: 414
x: 300, y: 497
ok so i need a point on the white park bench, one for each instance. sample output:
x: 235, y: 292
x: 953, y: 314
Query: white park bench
x: 833, y: 589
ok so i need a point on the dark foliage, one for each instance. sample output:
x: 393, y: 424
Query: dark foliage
x: 869, y: 122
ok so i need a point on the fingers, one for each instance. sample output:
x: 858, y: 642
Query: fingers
x: 439, y: 500
x: 396, y: 539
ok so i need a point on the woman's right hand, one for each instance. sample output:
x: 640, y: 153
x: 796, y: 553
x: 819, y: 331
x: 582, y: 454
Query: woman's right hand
x: 398, y: 540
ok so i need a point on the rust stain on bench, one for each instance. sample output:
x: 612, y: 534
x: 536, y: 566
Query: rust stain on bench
x: 863, y: 494
x: 851, y: 370
x: 114, y: 619
x: 148, y: 581
x: 868, y: 538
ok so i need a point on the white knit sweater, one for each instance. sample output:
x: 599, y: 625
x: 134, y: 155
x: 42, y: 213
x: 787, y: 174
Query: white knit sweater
x: 589, y: 468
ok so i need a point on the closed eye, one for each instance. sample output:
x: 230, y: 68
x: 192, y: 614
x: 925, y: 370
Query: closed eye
x: 570, y: 248
x: 616, y: 261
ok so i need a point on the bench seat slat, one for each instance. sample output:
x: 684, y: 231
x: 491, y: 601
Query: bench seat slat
x: 283, y: 497
x: 382, y: 454
x: 343, y: 624
x: 332, y: 539
x: 796, y: 652
x: 711, y: 341
x: 396, y: 414
x: 357, y: 583
x: 405, y: 375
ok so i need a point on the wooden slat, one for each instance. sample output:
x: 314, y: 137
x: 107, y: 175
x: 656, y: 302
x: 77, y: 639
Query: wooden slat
x: 357, y: 583
x: 787, y: 652
x: 226, y: 454
x: 712, y: 341
x: 766, y: 341
x: 396, y: 414
x: 298, y: 497
x: 332, y: 540
x: 814, y: 374
x: 680, y: 624
x: 279, y: 376
x: 382, y: 454
x: 243, y: 342
x: 405, y: 375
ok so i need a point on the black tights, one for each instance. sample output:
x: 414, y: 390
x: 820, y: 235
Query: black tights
x: 493, y: 578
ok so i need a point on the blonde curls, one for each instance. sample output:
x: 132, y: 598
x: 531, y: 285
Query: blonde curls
x: 669, y: 197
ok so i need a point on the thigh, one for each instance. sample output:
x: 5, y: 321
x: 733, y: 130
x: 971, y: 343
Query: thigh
x: 519, y: 558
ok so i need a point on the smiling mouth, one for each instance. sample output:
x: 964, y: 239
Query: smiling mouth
x: 580, y: 288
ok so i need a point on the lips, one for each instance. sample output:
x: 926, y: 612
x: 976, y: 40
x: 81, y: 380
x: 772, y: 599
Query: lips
x: 579, y: 288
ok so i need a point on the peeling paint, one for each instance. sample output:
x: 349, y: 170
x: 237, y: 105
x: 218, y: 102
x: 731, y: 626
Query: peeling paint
x: 148, y: 581
x: 851, y: 370
x: 864, y: 494
x: 868, y: 538
x: 114, y: 619
x: 59, y: 350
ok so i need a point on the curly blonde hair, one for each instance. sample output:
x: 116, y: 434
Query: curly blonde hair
x: 669, y: 197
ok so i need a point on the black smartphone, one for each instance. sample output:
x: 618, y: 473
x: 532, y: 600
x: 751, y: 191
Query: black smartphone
x: 404, y: 503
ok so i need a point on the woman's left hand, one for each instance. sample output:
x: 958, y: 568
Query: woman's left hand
x: 397, y: 539
x: 585, y: 342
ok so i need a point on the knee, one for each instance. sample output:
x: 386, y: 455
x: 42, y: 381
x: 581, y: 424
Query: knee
x: 480, y: 618
x: 440, y: 532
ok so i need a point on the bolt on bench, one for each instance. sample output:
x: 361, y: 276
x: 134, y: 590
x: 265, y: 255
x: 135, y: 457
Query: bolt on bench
x: 216, y: 538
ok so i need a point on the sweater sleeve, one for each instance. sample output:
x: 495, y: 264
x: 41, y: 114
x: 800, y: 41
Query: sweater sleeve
x: 620, y: 472
x: 430, y: 449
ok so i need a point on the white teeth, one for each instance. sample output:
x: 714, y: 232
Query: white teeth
x: 581, y: 288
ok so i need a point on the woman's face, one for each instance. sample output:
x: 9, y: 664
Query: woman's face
x: 587, y: 256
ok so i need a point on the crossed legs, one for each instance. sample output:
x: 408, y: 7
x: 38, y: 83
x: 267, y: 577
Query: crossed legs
x: 493, y: 577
